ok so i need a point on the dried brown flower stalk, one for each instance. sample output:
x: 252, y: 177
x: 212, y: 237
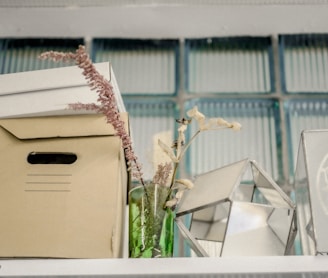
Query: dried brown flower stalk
x: 106, y: 98
x: 162, y: 174
x: 166, y: 173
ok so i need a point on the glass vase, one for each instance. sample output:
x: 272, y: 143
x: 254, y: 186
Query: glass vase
x: 151, y: 226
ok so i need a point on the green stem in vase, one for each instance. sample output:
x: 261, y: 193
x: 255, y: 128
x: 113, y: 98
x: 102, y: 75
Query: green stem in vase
x: 151, y: 226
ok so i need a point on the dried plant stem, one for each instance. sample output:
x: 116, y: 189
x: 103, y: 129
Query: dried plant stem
x: 106, y: 98
x: 184, y: 149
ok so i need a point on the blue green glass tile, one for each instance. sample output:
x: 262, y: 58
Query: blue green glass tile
x: 2, y: 54
x: 150, y: 120
x: 142, y: 67
x: 19, y: 55
x: 259, y: 139
x: 229, y: 65
x: 303, y: 114
x: 304, y: 63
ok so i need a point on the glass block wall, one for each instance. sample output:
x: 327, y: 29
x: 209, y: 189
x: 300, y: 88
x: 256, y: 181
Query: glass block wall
x: 150, y: 120
x: 304, y: 77
x: 142, y: 67
x: 274, y: 86
x: 226, y: 65
x: 257, y: 140
x: 19, y: 55
x: 304, y: 63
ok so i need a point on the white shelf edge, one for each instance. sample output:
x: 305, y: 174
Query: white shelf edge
x: 175, y: 267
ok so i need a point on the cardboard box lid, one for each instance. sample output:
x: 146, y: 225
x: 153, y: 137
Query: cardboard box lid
x: 48, y: 92
x: 60, y: 126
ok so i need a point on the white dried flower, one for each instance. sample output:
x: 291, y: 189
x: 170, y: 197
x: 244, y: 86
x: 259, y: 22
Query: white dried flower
x: 185, y: 182
x: 195, y: 114
x: 203, y: 125
x: 178, y: 195
x: 236, y: 126
x: 223, y: 122
x: 171, y: 203
x: 212, y: 123
x: 179, y: 147
x: 174, y: 201
x: 181, y: 135
x: 168, y: 151
x: 182, y: 128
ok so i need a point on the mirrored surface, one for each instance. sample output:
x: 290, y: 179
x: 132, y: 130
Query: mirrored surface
x: 230, y: 217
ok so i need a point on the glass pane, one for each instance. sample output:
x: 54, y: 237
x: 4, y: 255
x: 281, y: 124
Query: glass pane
x: 303, y: 114
x: 20, y: 55
x: 149, y: 121
x: 259, y: 138
x: 141, y: 66
x: 229, y: 65
x: 311, y: 192
x: 304, y: 60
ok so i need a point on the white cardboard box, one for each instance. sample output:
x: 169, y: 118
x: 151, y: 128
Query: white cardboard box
x: 35, y: 103
x: 48, y: 92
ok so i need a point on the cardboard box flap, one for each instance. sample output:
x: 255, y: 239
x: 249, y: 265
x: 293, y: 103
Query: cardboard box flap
x: 60, y: 126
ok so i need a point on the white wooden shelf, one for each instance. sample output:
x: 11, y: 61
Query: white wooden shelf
x: 293, y: 266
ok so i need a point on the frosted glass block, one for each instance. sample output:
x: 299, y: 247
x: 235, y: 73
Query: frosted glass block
x: 2, y: 54
x: 303, y: 114
x: 259, y: 139
x: 149, y: 121
x: 229, y: 65
x: 304, y: 61
x: 141, y: 66
x: 19, y: 55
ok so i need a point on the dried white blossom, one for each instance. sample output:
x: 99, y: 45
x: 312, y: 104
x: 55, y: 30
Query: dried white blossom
x: 236, y: 126
x: 194, y: 113
x: 179, y: 186
x: 185, y: 182
x: 171, y: 203
x: 223, y: 122
x: 198, y: 116
x: 233, y: 125
x: 211, y: 123
x: 168, y: 151
x: 178, y: 195
x: 181, y: 138
x: 174, y: 201
x: 182, y: 128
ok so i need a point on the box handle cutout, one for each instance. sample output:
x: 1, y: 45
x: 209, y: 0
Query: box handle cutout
x: 51, y: 158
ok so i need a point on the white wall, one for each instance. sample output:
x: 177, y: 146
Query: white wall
x: 163, y: 21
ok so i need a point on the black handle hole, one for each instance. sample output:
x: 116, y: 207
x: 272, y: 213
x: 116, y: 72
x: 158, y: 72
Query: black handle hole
x: 51, y: 158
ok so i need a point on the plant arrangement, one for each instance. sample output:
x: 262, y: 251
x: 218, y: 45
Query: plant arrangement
x: 152, y: 204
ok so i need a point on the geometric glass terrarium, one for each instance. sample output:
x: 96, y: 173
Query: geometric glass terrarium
x: 237, y: 210
x: 311, y: 192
